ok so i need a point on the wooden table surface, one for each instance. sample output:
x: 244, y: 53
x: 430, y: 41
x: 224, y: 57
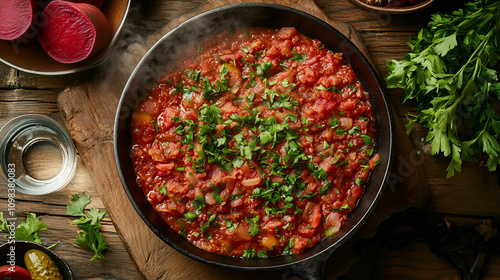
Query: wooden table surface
x: 467, y: 198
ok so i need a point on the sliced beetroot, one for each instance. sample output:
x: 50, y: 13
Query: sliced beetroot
x: 16, y: 16
x: 73, y: 31
x: 97, y: 3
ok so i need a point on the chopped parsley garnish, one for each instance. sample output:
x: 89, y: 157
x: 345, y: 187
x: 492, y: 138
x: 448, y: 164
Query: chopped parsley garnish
x: 247, y: 115
x: 212, y: 91
x: 306, y: 123
x: 299, y: 57
x: 190, y: 215
x: 321, y: 87
x: 325, y: 189
x: 155, y: 124
x: 340, y: 131
x: 293, y: 118
x: 262, y: 254
x: 341, y: 208
x: 205, y: 226
x: 248, y: 253
x: 289, y: 246
x: 250, y: 98
x: 163, y: 190
x: 358, y: 181
x: 254, y: 226
x: 287, y: 83
x: 263, y: 68
x: 199, y: 202
x: 183, y: 231
x: 218, y: 198
x: 193, y: 75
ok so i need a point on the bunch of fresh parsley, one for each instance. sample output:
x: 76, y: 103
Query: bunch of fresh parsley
x: 26, y: 230
x: 89, y: 237
x: 450, y: 73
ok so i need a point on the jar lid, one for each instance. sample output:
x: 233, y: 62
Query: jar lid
x: 17, y: 136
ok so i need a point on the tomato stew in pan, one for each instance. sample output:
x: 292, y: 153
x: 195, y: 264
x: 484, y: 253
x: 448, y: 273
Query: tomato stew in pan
x: 259, y: 145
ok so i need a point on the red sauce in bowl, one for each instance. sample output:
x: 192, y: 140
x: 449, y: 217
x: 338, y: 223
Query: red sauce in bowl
x: 393, y: 3
x: 259, y: 145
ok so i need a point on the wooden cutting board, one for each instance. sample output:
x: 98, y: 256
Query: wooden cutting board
x: 88, y: 110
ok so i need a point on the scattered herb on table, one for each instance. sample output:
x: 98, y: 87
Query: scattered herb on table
x: 450, y: 74
x: 5, y: 225
x: 89, y: 237
x: 27, y: 230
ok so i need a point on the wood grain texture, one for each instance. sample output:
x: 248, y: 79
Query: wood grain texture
x: 52, y: 208
x: 471, y: 193
x: 88, y: 110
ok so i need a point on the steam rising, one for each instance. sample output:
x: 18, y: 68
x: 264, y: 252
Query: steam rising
x: 185, y: 40
x: 181, y: 43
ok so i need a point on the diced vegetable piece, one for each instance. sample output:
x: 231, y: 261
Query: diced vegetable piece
x: 333, y: 230
x: 242, y: 232
x: 73, y: 31
x: 210, y: 199
x: 192, y: 178
x: 346, y: 123
x: 142, y: 118
x: 251, y: 182
x: 269, y: 241
x: 315, y: 217
x: 16, y: 17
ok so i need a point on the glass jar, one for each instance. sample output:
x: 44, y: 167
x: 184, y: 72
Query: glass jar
x: 21, y: 133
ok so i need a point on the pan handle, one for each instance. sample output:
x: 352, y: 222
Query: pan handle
x: 309, y: 269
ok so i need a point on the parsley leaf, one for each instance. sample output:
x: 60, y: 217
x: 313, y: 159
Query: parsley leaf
x: 89, y: 237
x: 289, y: 246
x: 254, y: 226
x: 28, y: 230
x: 342, y: 208
x: 199, y: 202
x: 248, y: 253
x: 190, y: 215
x: 163, y: 190
x: 78, y: 204
x: 5, y: 224
x: 263, y: 68
x: 216, y: 195
x: 299, y: 57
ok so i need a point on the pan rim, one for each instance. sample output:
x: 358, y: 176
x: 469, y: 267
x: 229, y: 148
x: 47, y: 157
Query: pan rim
x: 292, y: 262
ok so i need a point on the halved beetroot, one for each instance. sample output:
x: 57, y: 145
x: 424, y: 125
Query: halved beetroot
x: 97, y: 3
x: 16, y: 17
x: 73, y: 31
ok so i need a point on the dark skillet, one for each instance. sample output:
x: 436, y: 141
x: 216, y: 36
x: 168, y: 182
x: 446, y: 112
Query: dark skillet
x: 309, y: 264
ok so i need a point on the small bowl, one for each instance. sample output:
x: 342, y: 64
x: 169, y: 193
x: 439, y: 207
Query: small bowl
x: 390, y: 10
x: 21, y: 247
x: 31, y: 58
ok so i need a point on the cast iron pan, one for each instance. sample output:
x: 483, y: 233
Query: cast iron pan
x: 184, y: 38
